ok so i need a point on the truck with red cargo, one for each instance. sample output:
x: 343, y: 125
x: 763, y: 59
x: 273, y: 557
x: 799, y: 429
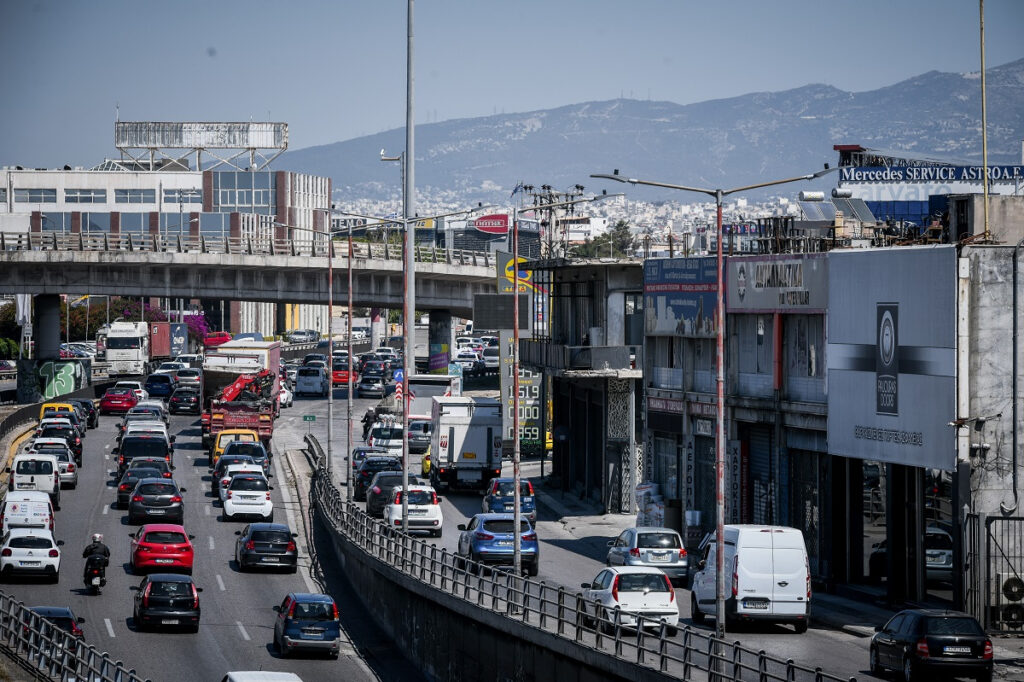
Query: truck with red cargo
x: 241, y: 388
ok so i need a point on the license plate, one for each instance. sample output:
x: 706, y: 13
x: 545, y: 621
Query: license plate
x: 97, y: 580
x: 271, y: 559
x: 952, y: 650
x: 155, y: 511
x: 469, y: 455
x: 759, y: 604
x: 170, y: 621
x: 471, y: 475
x: 165, y: 561
x: 30, y: 563
x: 312, y: 635
x: 658, y: 557
x: 417, y: 512
x: 504, y: 543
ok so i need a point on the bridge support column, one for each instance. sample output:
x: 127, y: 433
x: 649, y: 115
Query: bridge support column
x: 440, y: 341
x: 46, y: 332
x: 378, y: 326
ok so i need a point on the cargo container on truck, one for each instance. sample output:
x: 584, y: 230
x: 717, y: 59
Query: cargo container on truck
x: 241, y: 388
x: 466, y: 444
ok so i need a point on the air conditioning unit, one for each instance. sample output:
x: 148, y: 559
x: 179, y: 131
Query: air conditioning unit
x: 1007, y: 600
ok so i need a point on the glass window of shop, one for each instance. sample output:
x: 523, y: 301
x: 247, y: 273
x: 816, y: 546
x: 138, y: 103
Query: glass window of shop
x: 874, y: 511
x: 666, y: 465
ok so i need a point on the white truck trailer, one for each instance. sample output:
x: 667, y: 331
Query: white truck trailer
x: 465, y: 446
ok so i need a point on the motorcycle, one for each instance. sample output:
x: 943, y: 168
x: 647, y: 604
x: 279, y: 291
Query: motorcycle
x: 95, y: 580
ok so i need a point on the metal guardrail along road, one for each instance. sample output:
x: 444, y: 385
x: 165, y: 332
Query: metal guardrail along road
x: 689, y: 654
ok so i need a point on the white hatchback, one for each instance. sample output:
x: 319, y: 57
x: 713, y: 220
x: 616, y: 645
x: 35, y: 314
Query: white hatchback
x: 30, y: 551
x: 136, y: 387
x: 233, y: 470
x: 248, y: 495
x: 630, y: 592
x: 424, y: 509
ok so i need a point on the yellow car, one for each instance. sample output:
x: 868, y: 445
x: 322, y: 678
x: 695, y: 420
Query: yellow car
x: 227, y: 436
x: 425, y: 463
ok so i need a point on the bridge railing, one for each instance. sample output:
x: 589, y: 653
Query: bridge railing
x: 688, y: 654
x: 244, y: 245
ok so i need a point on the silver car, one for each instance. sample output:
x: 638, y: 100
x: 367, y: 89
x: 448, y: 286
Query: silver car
x: 660, y: 548
x: 68, y: 468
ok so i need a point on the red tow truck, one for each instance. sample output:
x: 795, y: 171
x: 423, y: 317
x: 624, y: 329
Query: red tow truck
x: 248, y: 402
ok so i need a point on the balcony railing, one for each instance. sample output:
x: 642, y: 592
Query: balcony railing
x: 559, y: 357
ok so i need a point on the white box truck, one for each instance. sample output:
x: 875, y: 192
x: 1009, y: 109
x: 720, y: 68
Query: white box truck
x: 465, y: 446
x: 127, y: 345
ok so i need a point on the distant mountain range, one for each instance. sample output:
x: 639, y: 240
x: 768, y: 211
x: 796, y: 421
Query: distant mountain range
x: 718, y: 143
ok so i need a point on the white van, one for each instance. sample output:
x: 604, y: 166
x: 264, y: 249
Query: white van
x: 311, y: 380
x: 36, y: 471
x: 26, y: 509
x: 767, y: 575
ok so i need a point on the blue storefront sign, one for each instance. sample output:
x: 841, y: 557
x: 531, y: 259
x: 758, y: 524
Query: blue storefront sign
x: 680, y: 297
x: 930, y: 174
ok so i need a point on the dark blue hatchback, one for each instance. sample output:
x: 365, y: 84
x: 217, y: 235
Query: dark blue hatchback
x: 160, y: 385
x: 307, y: 622
x: 500, y: 498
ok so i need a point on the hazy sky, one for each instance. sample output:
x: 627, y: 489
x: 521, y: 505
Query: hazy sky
x: 334, y: 70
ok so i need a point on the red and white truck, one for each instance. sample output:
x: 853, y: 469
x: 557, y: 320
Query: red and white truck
x: 241, y: 388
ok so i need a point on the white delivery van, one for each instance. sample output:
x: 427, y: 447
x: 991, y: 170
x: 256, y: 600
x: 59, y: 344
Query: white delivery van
x: 466, y: 443
x: 767, y: 577
x: 36, y: 471
x: 26, y: 509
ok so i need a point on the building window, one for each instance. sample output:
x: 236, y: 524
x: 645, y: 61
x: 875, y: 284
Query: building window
x: 175, y: 223
x: 35, y: 196
x: 3, y: 195
x: 214, y: 225
x: 134, y: 223
x: 56, y: 222
x: 183, y: 196
x: 85, y: 196
x: 135, y: 196
x: 95, y: 222
x: 244, y: 192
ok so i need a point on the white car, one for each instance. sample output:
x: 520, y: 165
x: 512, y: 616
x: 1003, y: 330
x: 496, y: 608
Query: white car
x: 424, y: 509
x: 287, y: 397
x: 229, y: 473
x: 30, y: 551
x: 170, y: 367
x: 249, y: 495
x: 387, y: 435
x: 636, y: 591
x: 136, y: 387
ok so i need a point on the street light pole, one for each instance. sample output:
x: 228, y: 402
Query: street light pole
x: 348, y: 400
x: 718, y: 194
x: 330, y: 342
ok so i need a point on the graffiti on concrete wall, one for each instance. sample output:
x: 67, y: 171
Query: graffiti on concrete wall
x: 40, y: 380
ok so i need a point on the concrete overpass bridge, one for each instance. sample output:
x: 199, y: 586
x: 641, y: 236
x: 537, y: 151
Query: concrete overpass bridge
x: 238, y: 268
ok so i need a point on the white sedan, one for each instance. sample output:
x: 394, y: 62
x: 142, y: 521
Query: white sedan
x: 287, y: 397
x: 248, y: 495
x: 30, y: 551
x: 634, y: 591
x: 424, y: 509
x: 136, y: 387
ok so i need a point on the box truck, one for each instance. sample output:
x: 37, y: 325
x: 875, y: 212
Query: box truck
x: 465, y: 446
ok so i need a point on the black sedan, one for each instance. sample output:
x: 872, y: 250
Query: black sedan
x: 126, y: 486
x: 156, y: 499
x: 257, y: 451
x: 369, y: 467
x: 266, y: 545
x: 923, y: 644
x: 89, y: 409
x: 168, y: 600
x: 184, y: 400
x: 380, y: 489
x: 61, y: 616
x: 223, y: 463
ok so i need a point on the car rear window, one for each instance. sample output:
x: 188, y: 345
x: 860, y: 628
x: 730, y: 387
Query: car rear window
x: 380, y: 464
x: 389, y: 481
x: 508, y: 488
x: 643, y: 582
x: 157, y: 489
x: 420, y: 497
x: 118, y: 391
x: 242, y: 448
x: 168, y: 537
x: 271, y: 536
x: 658, y: 541
x: 937, y: 541
x: 159, y: 379
x: 489, y: 352
x: 55, y: 432
x: 505, y: 526
x: 387, y: 433
x: 170, y: 589
x: 952, y: 625
x: 248, y: 483
x: 309, y: 372
x: 141, y: 473
x: 34, y: 467
x: 144, y: 447
x: 30, y: 542
x: 314, y: 611
x: 223, y: 463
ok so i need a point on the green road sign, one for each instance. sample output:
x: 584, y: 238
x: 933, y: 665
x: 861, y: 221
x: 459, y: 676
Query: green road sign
x: 309, y: 417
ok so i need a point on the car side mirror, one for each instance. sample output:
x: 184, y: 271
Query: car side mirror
x: 133, y: 588
x: 878, y: 628
x: 270, y: 487
x: 586, y: 586
x: 295, y: 535
x: 80, y: 620
x: 182, y: 490
x: 440, y: 499
x: 277, y: 608
x: 238, y: 532
x: 173, y: 438
x: 611, y: 543
x: 461, y: 526
x: 701, y: 564
x: 60, y: 543
x: 199, y: 589
x: 191, y: 537
x: 7, y: 469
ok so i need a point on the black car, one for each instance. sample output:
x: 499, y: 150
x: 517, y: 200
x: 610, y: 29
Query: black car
x: 126, y: 486
x: 156, y: 498
x: 311, y: 357
x: 142, y: 445
x: 66, y: 431
x: 361, y: 452
x: 379, y: 489
x: 222, y: 466
x: 269, y: 545
x: 89, y: 409
x: 184, y: 399
x: 167, y: 599
x: 73, y: 416
x: 369, y: 467
x: 374, y: 368
x: 62, y: 617
x: 256, y: 451
x: 923, y: 644
x: 419, y: 435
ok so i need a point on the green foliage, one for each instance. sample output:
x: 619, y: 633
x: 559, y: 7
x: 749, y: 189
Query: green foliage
x: 618, y: 242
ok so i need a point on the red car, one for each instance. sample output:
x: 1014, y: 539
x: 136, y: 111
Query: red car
x: 118, y: 400
x: 339, y: 373
x: 162, y: 546
x: 214, y: 339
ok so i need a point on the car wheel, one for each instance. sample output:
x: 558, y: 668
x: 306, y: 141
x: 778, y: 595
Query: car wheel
x: 671, y: 631
x: 533, y: 569
x: 607, y: 625
x: 800, y: 626
x: 908, y: 669
x: 293, y: 569
x: 132, y: 519
x: 873, y: 664
x: 438, y: 532
x: 985, y: 676
x: 696, y: 615
x: 193, y: 628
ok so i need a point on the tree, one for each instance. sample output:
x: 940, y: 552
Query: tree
x: 618, y: 242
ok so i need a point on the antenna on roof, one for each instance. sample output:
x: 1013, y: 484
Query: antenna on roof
x: 117, y: 111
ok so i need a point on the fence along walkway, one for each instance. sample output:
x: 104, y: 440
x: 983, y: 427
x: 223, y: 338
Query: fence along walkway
x: 243, y: 246
x: 691, y: 654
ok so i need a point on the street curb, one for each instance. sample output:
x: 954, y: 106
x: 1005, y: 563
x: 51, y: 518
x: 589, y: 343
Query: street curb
x: 12, y: 450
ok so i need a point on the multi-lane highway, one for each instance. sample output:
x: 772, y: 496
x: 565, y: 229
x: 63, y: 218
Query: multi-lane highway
x: 236, y: 627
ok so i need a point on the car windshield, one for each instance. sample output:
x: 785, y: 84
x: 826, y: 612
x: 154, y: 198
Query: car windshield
x: 123, y: 342
x: 248, y: 483
x: 420, y: 497
x: 658, y: 541
x: 271, y: 536
x: 952, y: 625
x: 505, y: 526
x: 30, y: 542
x: 34, y: 467
x: 157, y: 489
x: 144, y: 447
x: 314, y: 611
x: 643, y: 582
x: 170, y: 589
x: 508, y: 489
x: 166, y: 537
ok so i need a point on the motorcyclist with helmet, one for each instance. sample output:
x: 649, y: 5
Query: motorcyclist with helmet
x: 97, y: 557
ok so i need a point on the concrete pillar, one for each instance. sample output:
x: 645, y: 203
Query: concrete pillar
x: 35, y: 222
x: 76, y: 222
x: 440, y: 341
x: 378, y: 326
x: 46, y: 331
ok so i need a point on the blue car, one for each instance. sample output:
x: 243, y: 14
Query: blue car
x: 160, y: 385
x: 488, y: 539
x: 500, y: 498
x: 307, y: 622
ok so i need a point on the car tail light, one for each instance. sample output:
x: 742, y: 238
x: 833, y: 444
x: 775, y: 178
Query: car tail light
x: 497, y: 472
x: 50, y: 518
x: 480, y: 535
x: 807, y: 569
x: 229, y: 495
x: 167, y: 474
x: 988, y: 650
x: 78, y: 440
x: 634, y: 552
x: 71, y: 467
x: 124, y: 486
x: 195, y: 597
x: 186, y: 548
x: 398, y: 522
x: 225, y: 482
x: 176, y: 498
x: 398, y: 498
x: 682, y: 552
x: 136, y: 498
x: 291, y: 610
x: 145, y: 596
x: 735, y: 575
x: 529, y: 487
x: 376, y: 490
x: 433, y: 498
x: 143, y: 548
x: 615, y: 589
x: 334, y: 608
x: 76, y: 630
x: 7, y: 552
x: 291, y: 548
x: 268, y: 496
x: 250, y: 545
x: 922, y: 648
x: 530, y: 537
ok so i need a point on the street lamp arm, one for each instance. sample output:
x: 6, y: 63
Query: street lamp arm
x: 809, y: 176
x: 652, y: 183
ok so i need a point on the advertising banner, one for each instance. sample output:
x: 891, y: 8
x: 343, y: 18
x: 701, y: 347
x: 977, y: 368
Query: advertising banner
x: 506, y: 276
x: 179, y: 339
x: 531, y: 400
x: 930, y: 174
x: 891, y: 355
x: 777, y: 284
x: 680, y: 297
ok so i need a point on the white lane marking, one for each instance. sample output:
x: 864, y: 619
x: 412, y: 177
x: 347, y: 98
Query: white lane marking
x: 106, y: 507
x: 241, y: 628
x: 107, y: 447
x: 107, y: 457
x: 293, y: 521
x: 110, y: 627
x: 220, y: 583
x: 211, y: 542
